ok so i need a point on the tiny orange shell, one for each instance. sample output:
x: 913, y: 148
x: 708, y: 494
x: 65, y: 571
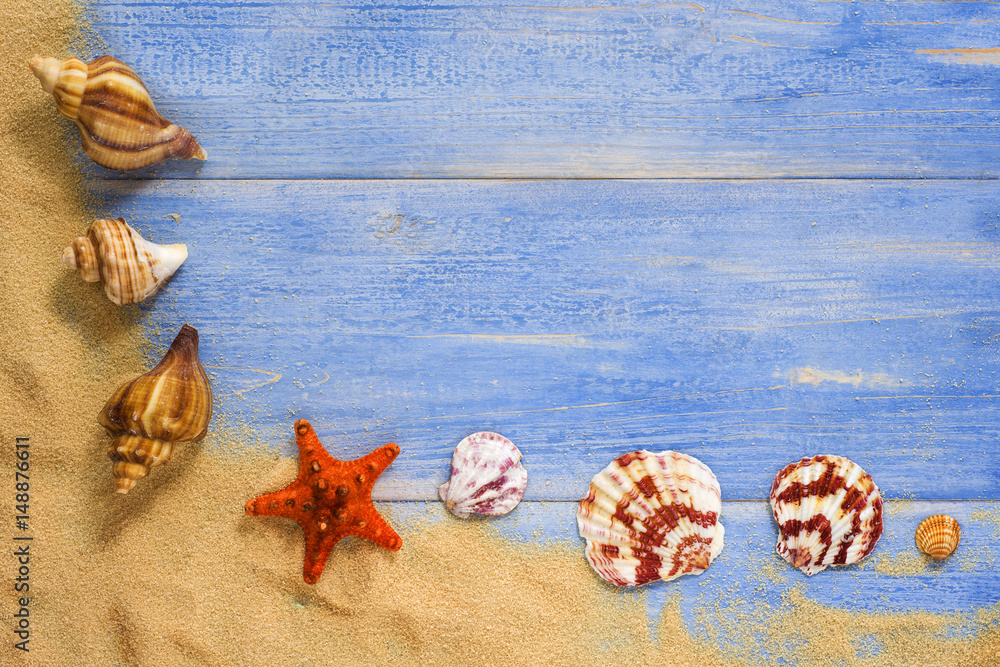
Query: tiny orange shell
x: 938, y: 536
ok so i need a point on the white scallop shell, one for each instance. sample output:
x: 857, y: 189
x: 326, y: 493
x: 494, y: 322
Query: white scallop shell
x: 829, y: 512
x: 650, y: 517
x: 486, y: 476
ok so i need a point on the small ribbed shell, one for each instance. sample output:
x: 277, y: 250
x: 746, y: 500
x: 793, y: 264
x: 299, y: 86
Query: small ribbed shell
x: 486, y: 476
x: 171, y: 403
x: 119, y: 127
x: 828, y: 511
x: 651, y: 517
x: 938, y: 536
x: 131, y: 267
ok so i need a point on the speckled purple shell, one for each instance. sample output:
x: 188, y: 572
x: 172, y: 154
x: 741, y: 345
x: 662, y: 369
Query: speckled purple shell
x: 486, y: 476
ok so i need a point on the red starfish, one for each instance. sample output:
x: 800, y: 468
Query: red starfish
x: 330, y: 499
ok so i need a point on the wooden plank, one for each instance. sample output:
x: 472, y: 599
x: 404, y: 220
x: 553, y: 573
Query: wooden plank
x: 753, y: 88
x: 747, y: 323
x: 749, y: 573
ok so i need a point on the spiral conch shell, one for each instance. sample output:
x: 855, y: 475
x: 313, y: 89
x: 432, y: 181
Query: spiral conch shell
x: 650, y: 517
x: 119, y: 126
x: 169, y: 404
x: 131, y: 267
x: 828, y: 511
x: 486, y: 476
x: 938, y: 536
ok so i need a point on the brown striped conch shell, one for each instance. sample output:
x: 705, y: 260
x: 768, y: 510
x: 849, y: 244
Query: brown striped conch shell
x: 119, y: 126
x: 650, y: 517
x: 486, y: 476
x: 938, y: 536
x: 169, y: 404
x: 130, y: 267
x: 829, y: 512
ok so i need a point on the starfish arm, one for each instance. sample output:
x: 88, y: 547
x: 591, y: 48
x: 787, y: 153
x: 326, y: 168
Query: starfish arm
x: 310, y: 448
x: 376, y: 462
x: 378, y: 531
x: 271, y: 504
x: 317, y: 552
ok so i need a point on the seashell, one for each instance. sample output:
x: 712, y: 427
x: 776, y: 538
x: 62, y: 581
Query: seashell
x: 650, y: 517
x: 131, y: 267
x: 486, y: 476
x: 938, y: 536
x: 119, y: 126
x: 829, y: 512
x: 169, y: 404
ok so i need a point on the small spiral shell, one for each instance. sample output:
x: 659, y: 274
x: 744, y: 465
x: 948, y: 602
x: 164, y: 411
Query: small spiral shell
x: 938, y: 536
x: 171, y: 403
x: 131, y: 267
x: 119, y: 126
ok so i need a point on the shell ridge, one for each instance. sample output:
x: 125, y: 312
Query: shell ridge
x: 649, y: 517
x: 486, y: 476
x: 828, y: 512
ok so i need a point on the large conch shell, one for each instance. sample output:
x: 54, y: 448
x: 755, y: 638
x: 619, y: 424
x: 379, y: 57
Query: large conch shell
x: 486, y: 476
x: 169, y: 404
x: 119, y: 126
x: 131, y: 267
x: 828, y: 511
x: 650, y: 517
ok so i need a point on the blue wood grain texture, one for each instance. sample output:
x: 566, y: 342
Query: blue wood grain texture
x: 743, y: 88
x: 746, y: 323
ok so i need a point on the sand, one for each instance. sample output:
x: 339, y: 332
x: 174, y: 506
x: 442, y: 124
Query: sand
x: 175, y: 573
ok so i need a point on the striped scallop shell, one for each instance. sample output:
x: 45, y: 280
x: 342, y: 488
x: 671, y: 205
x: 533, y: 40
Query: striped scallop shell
x: 131, y: 267
x: 829, y: 512
x: 119, y: 127
x: 486, y: 476
x: 650, y: 517
x: 938, y: 536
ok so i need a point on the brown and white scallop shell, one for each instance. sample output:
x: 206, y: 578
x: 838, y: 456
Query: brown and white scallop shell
x: 650, y: 516
x: 119, y: 126
x: 130, y: 267
x: 828, y: 511
x: 486, y: 476
x: 938, y: 536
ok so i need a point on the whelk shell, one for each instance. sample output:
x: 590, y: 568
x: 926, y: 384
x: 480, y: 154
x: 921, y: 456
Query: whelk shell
x: 486, y: 476
x: 169, y: 404
x: 828, y: 511
x: 938, y: 536
x: 131, y: 267
x: 119, y: 126
x: 650, y: 516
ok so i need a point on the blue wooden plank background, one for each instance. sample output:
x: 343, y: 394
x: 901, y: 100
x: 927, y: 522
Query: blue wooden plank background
x: 752, y: 88
x: 746, y: 323
x: 839, y: 297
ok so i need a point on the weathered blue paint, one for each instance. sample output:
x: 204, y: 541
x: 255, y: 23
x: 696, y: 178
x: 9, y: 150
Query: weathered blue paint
x: 753, y: 88
x: 746, y: 323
